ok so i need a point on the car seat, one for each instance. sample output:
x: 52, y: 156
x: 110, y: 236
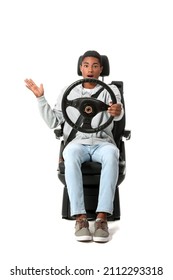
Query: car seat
x: 91, y: 170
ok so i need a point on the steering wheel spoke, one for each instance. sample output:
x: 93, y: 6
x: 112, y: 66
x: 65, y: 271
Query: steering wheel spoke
x: 87, y: 123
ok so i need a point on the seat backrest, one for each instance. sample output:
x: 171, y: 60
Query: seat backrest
x: 119, y: 126
x: 105, y: 63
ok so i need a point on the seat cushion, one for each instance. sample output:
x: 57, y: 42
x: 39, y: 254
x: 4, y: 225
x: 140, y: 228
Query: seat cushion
x: 88, y: 167
x: 92, y: 168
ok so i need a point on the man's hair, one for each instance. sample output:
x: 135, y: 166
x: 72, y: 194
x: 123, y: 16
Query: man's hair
x: 92, y: 54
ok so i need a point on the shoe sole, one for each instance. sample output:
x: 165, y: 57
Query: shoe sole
x: 84, y: 238
x: 100, y: 239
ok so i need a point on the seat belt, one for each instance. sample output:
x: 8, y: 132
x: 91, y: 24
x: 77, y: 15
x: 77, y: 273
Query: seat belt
x: 79, y: 120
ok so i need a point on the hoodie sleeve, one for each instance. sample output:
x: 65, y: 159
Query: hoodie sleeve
x: 52, y: 117
x: 118, y: 98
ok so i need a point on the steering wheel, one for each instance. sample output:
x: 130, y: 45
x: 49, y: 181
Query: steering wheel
x: 88, y: 107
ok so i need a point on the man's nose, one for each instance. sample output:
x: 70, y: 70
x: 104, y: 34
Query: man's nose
x: 90, y: 69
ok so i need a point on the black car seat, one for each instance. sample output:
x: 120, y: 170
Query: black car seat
x: 91, y: 170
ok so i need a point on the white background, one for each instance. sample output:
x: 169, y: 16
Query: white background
x: 43, y: 40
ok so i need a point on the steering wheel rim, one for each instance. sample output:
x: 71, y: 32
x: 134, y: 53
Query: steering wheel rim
x: 91, y: 100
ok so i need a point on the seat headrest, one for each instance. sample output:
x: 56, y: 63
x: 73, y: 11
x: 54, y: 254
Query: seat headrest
x: 105, y: 64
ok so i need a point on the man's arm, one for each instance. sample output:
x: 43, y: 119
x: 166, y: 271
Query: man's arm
x: 116, y: 110
x: 53, y: 118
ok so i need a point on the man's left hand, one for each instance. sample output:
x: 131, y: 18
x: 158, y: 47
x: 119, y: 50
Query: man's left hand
x: 114, y: 109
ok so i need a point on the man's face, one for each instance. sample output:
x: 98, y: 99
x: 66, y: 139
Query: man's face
x: 91, y: 67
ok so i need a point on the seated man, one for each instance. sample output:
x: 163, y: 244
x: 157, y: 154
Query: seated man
x: 99, y: 147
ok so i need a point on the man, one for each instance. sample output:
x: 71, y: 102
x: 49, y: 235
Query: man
x: 99, y: 147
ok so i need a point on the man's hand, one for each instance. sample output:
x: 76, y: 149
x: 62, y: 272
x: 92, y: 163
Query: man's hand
x: 38, y: 91
x: 114, y: 109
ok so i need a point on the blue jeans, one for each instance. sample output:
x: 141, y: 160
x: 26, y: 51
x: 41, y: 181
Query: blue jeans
x: 105, y: 153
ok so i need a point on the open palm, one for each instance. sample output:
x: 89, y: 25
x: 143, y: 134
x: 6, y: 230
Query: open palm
x: 38, y: 91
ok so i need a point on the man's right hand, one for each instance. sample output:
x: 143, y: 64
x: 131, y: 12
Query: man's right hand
x: 38, y: 91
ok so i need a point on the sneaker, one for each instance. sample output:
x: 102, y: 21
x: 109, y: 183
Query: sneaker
x: 101, y: 233
x: 82, y: 231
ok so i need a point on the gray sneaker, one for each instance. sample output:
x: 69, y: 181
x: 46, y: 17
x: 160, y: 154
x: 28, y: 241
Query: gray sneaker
x: 82, y: 231
x: 101, y: 233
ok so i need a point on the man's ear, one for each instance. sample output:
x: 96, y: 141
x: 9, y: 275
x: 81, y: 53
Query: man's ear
x: 101, y: 69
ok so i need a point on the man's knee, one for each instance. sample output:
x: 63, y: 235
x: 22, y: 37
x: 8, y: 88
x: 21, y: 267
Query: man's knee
x: 72, y: 151
x: 111, y: 153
